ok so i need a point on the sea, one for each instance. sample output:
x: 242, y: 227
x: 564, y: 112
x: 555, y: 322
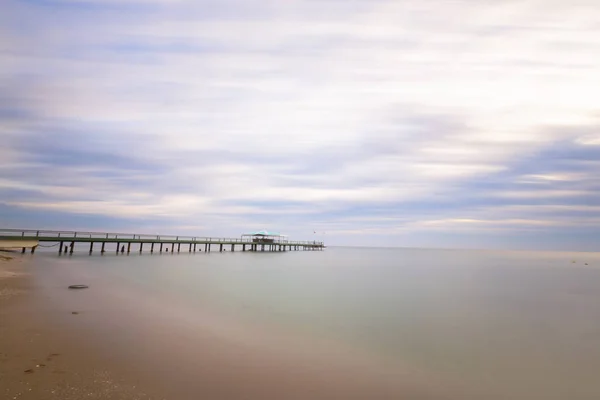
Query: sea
x: 491, y: 324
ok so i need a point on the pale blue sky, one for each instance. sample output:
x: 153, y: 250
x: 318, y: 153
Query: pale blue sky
x: 427, y: 123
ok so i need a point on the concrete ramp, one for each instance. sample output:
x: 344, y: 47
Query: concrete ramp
x: 17, y: 244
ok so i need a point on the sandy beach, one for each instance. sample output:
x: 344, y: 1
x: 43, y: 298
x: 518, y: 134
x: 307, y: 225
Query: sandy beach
x: 40, y: 359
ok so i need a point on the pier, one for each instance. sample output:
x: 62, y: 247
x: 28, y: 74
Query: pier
x: 125, y: 243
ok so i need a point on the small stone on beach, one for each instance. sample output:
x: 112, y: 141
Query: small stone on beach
x: 28, y: 371
x: 78, y: 287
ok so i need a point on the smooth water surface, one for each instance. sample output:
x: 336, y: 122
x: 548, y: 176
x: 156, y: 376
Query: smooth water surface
x: 510, y: 325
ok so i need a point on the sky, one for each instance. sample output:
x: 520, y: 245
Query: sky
x: 430, y: 123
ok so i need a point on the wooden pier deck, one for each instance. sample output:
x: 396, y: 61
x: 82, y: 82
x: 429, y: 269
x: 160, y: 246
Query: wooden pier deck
x: 66, y: 242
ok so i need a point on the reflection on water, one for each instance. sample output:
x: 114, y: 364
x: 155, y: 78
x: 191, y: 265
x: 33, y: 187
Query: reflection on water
x: 515, y: 325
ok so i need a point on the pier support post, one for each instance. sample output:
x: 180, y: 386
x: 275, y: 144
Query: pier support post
x: 33, y: 249
x: 128, y: 247
x: 152, y: 248
x: 221, y: 247
x: 243, y: 247
x: 91, y: 247
x: 102, y: 249
x: 190, y: 248
x: 194, y: 247
x: 72, y: 247
x: 60, y: 248
x: 23, y: 250
x: 141, y: 247
x: 178, y: 247
x: 172, y: 247
x: 161, y: 245
x: 262, y: 248
x: 233, y: 247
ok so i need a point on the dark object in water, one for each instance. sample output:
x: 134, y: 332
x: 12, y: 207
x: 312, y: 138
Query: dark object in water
x: 74, y: 312
x: 78, y: 287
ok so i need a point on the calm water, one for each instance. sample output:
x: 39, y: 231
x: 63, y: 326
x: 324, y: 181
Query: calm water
x: 510, y: 325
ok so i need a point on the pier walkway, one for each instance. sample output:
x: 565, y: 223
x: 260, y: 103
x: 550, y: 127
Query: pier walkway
x: 66, y: 242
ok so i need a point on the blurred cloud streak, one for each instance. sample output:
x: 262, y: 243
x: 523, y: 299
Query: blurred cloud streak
x: 393, y: 118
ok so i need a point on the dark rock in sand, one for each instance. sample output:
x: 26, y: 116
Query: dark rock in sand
x: 78, y: 287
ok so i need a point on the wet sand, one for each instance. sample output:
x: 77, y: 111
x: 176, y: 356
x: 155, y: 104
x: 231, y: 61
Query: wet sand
x: 48, y: 352
x: 40, y: 359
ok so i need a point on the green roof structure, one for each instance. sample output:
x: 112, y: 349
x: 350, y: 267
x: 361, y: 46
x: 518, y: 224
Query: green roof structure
x: 263, y: 233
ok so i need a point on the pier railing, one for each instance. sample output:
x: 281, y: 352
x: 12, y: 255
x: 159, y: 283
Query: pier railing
x: 46, y: 235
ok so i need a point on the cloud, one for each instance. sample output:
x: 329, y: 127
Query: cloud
x: 381, y: 117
